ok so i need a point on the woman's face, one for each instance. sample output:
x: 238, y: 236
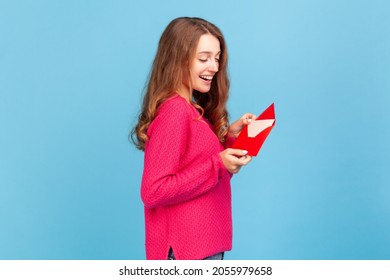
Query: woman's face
x: 205, y: 63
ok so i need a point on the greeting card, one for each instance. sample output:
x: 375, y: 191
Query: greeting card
x: 253, y: 135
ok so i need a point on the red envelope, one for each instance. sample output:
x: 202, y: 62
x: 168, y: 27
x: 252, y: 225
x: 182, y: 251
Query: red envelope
x: 253, y: 135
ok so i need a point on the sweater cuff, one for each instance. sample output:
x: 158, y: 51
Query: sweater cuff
x: 222, y: 170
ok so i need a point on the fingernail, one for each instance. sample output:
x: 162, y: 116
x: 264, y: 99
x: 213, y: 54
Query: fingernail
x: 244, y: 152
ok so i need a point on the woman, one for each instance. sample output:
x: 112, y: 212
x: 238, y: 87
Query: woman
x: 183, y: 129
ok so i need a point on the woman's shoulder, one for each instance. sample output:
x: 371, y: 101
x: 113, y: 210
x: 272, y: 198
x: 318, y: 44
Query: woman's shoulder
x: 172, y: 110
x: 175, y: 104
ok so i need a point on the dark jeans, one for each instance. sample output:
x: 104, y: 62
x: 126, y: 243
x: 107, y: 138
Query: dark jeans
x: 218, y: 256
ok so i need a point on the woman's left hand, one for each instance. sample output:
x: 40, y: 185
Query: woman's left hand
x: 236, y: 127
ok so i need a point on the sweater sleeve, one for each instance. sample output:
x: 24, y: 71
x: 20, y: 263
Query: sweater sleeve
x: 164, y: 180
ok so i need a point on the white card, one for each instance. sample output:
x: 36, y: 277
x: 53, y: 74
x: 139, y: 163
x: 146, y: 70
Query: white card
x: 257, y: 126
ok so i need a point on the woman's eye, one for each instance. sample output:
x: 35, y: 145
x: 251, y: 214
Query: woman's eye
x: 202, y: 60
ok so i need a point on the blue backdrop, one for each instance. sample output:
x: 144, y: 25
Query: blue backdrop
x: 71, y: 78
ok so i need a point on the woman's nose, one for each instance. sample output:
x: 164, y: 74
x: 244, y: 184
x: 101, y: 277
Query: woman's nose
x: 214, y: 66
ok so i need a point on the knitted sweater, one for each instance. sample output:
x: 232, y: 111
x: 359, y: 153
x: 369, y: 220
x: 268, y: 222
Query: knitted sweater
x: 185, y: 186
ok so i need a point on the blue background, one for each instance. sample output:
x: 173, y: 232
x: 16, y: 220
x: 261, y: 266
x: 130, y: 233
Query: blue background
x: 71, y: 78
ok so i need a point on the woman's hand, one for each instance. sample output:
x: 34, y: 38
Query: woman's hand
x: 236, y: 127
x: 234, y: 159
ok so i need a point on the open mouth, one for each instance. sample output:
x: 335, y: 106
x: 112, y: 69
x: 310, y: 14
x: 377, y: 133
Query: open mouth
x: 206, y: 78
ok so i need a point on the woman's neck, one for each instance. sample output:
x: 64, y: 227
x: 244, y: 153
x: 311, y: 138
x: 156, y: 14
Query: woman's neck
x: 185, y: 93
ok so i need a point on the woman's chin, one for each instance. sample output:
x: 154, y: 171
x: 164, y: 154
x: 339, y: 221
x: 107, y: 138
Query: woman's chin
x: 203, y: 89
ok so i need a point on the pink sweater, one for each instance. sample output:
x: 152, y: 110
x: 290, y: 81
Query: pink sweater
x: 185, y: 186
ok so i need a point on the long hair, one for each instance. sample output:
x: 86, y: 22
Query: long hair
x: 171, y: 66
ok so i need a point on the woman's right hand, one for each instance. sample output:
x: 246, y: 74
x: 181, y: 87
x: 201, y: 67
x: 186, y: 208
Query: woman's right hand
x: 234, y: 159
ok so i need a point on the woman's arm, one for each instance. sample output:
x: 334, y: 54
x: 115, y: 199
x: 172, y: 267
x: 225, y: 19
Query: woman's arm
x: 165, y: 181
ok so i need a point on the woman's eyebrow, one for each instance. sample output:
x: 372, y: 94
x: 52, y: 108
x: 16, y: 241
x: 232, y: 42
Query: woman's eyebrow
x: 208, y: 52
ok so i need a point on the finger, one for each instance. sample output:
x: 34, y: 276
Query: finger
x: 248, y: 118
x: 237, y: 152
x: 245, y: 160
x: 247, y: 121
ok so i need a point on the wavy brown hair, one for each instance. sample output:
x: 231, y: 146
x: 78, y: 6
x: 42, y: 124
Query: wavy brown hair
x: 171, y: 66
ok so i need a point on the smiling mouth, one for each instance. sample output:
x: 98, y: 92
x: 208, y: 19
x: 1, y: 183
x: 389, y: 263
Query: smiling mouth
x: 206, y: 78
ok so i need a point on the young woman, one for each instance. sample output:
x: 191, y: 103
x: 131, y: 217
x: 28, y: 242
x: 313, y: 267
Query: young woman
x: 183, y: 129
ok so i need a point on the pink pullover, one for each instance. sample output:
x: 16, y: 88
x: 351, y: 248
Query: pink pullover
x: 185, y: 186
